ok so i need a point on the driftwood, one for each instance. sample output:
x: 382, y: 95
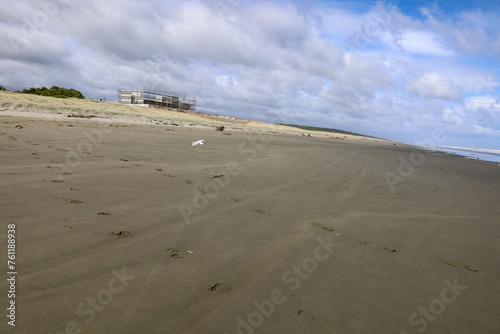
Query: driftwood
x: 219, y: 128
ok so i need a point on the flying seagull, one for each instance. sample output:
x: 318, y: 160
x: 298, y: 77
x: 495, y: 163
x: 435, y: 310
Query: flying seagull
x: 198, y: 142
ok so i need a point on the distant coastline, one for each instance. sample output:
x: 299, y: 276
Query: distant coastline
x: 469, y: 152
x: 484, y: 150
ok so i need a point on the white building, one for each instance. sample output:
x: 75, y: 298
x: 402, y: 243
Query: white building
x: 158, y: 99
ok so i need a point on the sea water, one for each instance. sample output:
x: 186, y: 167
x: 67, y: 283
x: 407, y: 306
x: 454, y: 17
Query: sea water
x: 468, y: 153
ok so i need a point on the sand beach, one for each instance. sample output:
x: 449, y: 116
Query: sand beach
x: 123, y: 227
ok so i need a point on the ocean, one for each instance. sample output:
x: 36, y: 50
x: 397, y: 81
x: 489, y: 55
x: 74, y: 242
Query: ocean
x: 471, y: 153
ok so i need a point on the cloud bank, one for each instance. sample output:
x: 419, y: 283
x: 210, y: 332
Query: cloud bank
x: 371, y: 69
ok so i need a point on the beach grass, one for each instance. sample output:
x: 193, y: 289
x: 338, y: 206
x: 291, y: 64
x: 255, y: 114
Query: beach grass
x: 43, y: 105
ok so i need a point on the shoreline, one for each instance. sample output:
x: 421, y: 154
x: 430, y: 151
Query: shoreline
x: 487, y: 155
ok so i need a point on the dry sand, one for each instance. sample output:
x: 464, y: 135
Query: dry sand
x: 299, y: 235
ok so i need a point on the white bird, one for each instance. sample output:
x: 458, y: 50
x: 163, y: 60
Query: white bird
x: 198, y: 142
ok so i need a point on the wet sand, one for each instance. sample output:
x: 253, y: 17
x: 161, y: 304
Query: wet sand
x: 125, y: 229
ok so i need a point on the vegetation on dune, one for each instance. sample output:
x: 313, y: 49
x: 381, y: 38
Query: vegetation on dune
x: 315, y: 128
x: 114, y: 110
x: 48, y: 104
x: 3, y: 88
x: 54, y: 91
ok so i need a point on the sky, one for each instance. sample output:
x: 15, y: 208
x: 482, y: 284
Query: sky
x: 419, y: 72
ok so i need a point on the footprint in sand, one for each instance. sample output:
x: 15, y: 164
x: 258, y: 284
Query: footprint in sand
x: 455, y: 264
x: 369, y: 244
x: 104, y: 214
x: 306, y: 315
x: 71, y: 223
x: 264, y: 212
x: 323, y: 227
x: 74, y: 201
x: 121, y: 234
x: 450, y: 263
x: 189, y: 182
x: 365, y: 243
x: 469, y: 268
x: 220, y: 288
x: 197, y: 286
x: 173, y: 253
x: 234, y: 199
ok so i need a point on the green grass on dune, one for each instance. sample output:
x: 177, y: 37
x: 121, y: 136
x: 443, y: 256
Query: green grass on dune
x: 320, y: 129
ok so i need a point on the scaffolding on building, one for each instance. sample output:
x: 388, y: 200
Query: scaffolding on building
x: 157, y: 98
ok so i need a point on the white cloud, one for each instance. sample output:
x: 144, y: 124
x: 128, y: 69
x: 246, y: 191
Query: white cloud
x: 465, y: 32
x: 483, y: 102
x: 258, y: 59
x: 486, y: 131
x: 435, y: 85
x: 424, y: 43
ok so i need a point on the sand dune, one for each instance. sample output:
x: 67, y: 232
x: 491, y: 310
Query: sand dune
x: 106, y: 113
